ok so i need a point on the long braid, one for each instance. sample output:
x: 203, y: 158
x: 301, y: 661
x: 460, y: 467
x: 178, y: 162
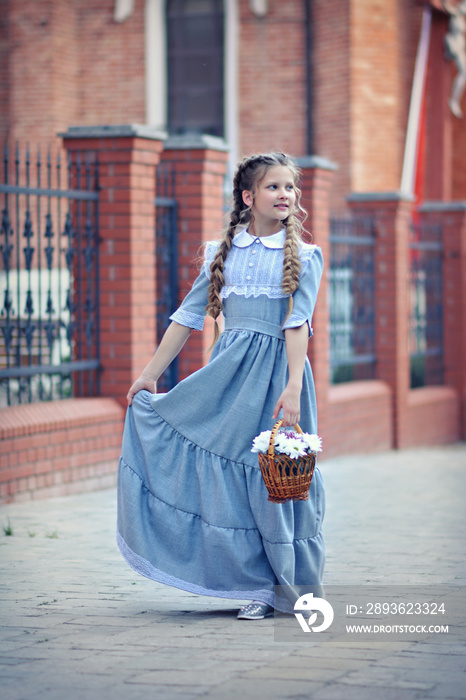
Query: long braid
x: 291, y: 260
x: 217, y: 280
x: 239, y: 215
x: 291, y: 263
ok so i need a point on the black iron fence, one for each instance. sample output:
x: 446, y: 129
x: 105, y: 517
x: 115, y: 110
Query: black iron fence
x: 49, y: 278
x: 166, y: 242
x: 426, y: 305
x: 351, y: 299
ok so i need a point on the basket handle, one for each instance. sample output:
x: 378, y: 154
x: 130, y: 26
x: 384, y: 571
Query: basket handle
x: 275, y: 429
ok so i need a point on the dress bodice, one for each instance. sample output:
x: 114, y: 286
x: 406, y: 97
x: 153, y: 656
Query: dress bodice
x: 253, y: 272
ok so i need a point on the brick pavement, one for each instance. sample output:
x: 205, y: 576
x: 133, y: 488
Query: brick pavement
x: 77, y: 623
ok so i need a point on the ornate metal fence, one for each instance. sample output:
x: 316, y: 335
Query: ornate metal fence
x: 166, y: 236
x: 426, y: 305
x: 351, y: 299
x: 49, y: 279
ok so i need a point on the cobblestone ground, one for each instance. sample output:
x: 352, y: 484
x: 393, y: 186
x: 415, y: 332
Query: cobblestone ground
x: 78, y: 624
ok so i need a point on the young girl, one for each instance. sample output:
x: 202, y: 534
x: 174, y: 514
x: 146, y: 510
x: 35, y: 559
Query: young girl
x: 192, y: 505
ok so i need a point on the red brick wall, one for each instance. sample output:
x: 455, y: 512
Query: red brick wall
x: 4, y: 67
x: 64, y: 63
x: 377, y: 133
x: 331, y: 93
x: 363, y: 67
x: 69, y: 64
x: 42, y: 70
x: 432, y: 417
x: 200, y: 176
x: 111, y: 62
x: 127, y: 255
x: 60, y: 447
x: 360, y: 418
x: 421, y: 416
x: 452, y: 218
x: 272, y: 71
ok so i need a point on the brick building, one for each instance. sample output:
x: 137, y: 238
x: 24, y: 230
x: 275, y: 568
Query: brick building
x: 357, y: 90
x: 327, y: 77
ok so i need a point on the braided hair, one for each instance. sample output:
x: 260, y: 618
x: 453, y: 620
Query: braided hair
x: 248, y: 175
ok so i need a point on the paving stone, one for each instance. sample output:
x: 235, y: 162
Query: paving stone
x: 79, y: 624
x: 393, y: 678
x: 448, y: 690
x: 342, y: 691
x: 271, y: 688
x: 297, y: 673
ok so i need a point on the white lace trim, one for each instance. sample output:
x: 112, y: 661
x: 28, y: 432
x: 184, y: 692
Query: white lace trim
x: 255, y: 270
x: 295, y: 321
x: 245, y: 290
x: 187, y: 318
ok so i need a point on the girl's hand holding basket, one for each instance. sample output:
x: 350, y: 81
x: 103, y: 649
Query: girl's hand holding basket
x: 287, y: 461
x: 290, y: 403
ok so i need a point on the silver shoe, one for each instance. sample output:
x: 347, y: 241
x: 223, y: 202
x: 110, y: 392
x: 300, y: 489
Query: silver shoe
x: 255, y: 611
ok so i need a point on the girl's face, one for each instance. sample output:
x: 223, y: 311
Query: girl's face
x: 274, y: 196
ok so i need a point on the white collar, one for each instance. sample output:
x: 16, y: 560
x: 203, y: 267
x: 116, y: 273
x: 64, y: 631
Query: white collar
x: 275, y: 241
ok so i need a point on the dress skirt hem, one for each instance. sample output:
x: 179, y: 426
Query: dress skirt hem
x: 145, y: 568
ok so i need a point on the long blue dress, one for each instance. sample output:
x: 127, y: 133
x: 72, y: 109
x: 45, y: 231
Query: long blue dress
x: 192, y: 506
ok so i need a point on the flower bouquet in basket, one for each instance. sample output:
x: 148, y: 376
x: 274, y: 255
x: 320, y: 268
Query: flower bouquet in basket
x: 287, y: 460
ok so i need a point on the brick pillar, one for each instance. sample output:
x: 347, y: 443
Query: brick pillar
x: 200, y: 164
x: 392, y: 215
x: 452, y: 217
x: 128, y: 156
x: 316, y: 180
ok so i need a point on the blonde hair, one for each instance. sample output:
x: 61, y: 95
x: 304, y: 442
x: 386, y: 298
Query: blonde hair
x: 249, y: 174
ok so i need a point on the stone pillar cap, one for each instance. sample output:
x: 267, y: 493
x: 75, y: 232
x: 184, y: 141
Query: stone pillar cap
x: 380, y: 197
x: 459, y: 205
x: 189, y: 142
x: 114, y: 131
x: 315, y: 162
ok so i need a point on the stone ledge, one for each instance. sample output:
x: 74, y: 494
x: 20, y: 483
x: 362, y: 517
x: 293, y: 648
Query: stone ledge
x: 431, y: 395
x: 114, y: 131
x: 361, y: 197
x: 17, y: 421
x: 318, y: 162
x: 187, y: 142
x: 459, y: 205
x: 354, y: 391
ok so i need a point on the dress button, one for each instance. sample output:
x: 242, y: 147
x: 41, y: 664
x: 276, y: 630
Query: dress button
x: 248, y: 277
x: 250, y: 264
x: 257, y: 240
x: 253, y: 252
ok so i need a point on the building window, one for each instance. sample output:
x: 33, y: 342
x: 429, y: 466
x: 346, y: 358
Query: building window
x: 195, y: 52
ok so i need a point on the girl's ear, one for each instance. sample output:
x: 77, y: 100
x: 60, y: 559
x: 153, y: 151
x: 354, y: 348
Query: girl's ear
x: 248, y: 198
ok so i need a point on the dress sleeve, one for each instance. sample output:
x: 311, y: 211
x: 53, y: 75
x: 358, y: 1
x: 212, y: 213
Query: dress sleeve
x: 304, y: 298
x: 192, y: 312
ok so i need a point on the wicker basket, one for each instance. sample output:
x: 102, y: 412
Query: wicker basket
x: 286, y: 479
